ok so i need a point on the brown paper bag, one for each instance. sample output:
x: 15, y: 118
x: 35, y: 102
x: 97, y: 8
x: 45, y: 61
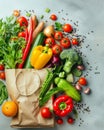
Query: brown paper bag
x: 23, y: 86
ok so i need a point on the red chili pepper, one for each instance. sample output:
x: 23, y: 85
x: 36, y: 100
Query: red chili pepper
x: 28, y: 45
x: 63, y: 105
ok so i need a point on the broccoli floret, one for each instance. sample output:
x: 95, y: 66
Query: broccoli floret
x: 71, y: 57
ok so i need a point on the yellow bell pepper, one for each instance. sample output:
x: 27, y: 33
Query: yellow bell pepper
x: 40, y: 56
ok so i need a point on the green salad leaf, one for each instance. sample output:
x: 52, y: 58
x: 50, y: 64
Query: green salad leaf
x: 3, y: 92
x: 11, y: 45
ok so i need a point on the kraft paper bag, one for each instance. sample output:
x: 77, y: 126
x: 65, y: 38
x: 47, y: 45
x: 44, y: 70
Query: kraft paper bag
x: 23, y: 86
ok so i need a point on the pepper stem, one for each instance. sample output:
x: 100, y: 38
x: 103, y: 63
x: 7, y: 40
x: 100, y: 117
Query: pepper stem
x: 45, y: 49
x: 62, y: 105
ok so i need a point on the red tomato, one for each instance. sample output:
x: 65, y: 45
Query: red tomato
x: 70, y: 120
x: 58, y: 35
x: 45, y: 112
x: 22, y: 21
x: 65, y: 42
x: 82, y: 81
x: 53, y: 17
x: 1, y: 67
x: 75, y: 41
x: 67, y: 28
x: 2, y: 75
x: 59, y: 121
x: 56, y: 49
x: 21, y: 34
x: 50, y: 41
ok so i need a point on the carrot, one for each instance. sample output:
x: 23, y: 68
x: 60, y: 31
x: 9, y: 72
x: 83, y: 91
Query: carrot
x: 38, y: 29
x: 34, y: 22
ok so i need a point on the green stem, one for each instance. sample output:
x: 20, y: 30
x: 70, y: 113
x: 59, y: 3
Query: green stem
x: 62, y: 105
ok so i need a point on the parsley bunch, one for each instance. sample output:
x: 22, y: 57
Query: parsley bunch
x: 11, y: 45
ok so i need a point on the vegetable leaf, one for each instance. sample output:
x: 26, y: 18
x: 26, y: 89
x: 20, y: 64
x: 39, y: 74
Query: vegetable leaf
x: 3, y: 92
x: 58, y: 26
x: 11, y: 46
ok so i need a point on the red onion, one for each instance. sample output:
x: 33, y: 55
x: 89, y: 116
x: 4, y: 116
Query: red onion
x: 55, y: 59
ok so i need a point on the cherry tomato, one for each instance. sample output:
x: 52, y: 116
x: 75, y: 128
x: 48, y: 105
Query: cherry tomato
x: 75, y: 41
x: 2, y: 75
x: 82, y: 81
x: 22, y: 21
x: 59, y: 121
x: 16, y: 13
x: 53, y: 17
x: 65, y: 42
x: 21, y: 34
x: 45, y: 112
x: 58, y: 35
x: 1, y: 67
x: 70, y: 120
x: 56, y: 49
x: 67, y: 28
x: 50, y: 41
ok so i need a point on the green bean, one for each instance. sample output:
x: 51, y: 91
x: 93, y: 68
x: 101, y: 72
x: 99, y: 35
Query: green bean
x: 46, y: 84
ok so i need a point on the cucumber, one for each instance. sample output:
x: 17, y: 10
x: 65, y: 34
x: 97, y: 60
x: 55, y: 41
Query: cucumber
x: 38, y: 41
x: 68, y: 88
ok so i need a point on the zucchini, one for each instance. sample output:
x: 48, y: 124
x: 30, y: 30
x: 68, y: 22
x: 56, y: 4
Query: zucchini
x: 68, y: 88
x: 38, y: 41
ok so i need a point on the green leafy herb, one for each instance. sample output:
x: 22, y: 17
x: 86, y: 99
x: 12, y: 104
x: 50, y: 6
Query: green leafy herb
x: 58, y: 26
x: 42, y: 16
x: 76, y: 72
x: 10, y: 45
x: 9, y: 28
x: 28, y: 14
x: 47, y: 10
x: 3, y: 92
x: 11, y: 53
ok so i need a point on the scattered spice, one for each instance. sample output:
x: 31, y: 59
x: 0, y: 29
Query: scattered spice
x: 97, y: 72
x: 81, y: 122
x: 82, y: 107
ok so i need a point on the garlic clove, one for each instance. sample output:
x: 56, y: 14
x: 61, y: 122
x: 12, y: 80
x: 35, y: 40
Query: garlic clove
x: 87, y: 90
x: 78, y: 87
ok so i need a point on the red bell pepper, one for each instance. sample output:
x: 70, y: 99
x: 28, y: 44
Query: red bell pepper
x: 63, y: 105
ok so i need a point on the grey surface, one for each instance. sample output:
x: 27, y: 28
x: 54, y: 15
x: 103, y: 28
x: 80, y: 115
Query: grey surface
x: 90, y: 16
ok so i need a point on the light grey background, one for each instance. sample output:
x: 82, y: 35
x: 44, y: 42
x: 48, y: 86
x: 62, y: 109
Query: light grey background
x: 89, y: 14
